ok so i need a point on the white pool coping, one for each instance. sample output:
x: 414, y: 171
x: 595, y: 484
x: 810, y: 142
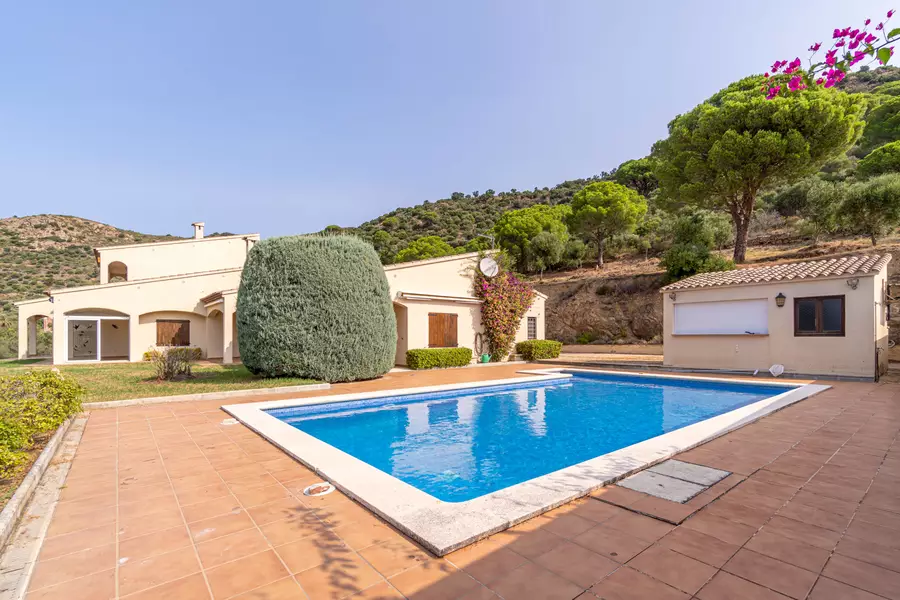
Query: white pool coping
x: 446, y: 526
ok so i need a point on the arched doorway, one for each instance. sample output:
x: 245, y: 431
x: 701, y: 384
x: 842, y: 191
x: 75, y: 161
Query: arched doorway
x: 117, y: 271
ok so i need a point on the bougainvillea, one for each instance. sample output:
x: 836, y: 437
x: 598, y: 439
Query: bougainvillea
x: 850, y: 45
x: 504, y: 301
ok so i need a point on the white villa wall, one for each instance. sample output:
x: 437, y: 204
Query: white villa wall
x: 161, y: 259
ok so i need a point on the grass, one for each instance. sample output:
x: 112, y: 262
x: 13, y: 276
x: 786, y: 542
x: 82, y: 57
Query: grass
x: 124, y: 381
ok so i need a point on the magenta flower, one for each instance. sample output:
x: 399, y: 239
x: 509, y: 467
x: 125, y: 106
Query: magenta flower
x: 836, y: 34
x: 879, y: 27
x: 845, y: 31
x: 857, y: 56
x: 840, y: 43
x: 830, y: 58
x: 815, y: 47
x: 853, y: 33
x: 853, y: 44
x: 796, y: 83
x: 819, y: 81
x: 890, y: 13
x: 868, y: 21
x: 869, y: 38
x: 773, y: 92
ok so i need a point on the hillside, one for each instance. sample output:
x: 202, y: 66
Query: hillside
x: 40, y: 252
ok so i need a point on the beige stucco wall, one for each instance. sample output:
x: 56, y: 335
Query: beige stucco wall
x: 443, y: 277
x: 851, y: 355
x: 143, y: 302
x: 162, y: 259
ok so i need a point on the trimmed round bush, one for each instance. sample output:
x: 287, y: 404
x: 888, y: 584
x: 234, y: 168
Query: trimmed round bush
x: 317, y: 307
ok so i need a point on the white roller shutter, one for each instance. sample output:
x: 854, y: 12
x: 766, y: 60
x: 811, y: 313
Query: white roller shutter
x: 722, y: 318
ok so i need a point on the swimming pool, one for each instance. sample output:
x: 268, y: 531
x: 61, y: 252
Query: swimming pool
x: 451, y: 464
x: 460, y: 445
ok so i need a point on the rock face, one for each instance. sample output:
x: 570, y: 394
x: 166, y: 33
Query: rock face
x: 620, y: 310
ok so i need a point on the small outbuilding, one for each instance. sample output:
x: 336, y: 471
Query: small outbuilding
x: 816, y: 318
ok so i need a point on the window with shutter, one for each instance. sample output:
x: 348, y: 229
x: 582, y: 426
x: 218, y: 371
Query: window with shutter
x: 442, y: 330
x: 173, y: 333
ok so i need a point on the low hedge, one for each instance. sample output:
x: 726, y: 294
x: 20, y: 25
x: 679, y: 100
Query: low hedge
x: 538, y: 349
x: 32, y: 404
x: 435, y: 358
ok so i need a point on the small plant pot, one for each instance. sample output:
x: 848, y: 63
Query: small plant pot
x: 485, y: 358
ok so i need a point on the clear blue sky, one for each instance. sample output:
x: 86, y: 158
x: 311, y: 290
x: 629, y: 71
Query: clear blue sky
x: 285, y: 116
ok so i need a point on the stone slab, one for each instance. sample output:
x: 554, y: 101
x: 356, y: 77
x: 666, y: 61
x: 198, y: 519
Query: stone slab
x: 698, y: 474
x: 662, y: 486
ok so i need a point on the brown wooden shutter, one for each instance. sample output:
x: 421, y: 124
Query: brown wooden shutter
x: 442, y: 330
x: 173, y: 333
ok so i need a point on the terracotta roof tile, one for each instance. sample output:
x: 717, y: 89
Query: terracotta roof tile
x: 813, y: 269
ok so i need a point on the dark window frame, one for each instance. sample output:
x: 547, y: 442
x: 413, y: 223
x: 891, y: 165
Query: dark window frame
x: 184, y: 323
x: 819, y: 317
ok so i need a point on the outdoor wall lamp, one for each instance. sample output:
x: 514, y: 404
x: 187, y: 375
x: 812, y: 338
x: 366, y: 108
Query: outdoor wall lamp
x: 779, y: 300
x: 853, y: 283
x: 672, y: 296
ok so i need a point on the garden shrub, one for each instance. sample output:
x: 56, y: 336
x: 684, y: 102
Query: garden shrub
x: 539, y: 349
x: 172, y: 362
x: 438, y: 358
x: 317, y: 307
x: 504, y: 301
x: 196, y: 353
x: 32, y: 404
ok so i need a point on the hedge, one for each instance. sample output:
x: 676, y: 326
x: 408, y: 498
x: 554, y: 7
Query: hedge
x: 317, y: 307
x: 436, y: 358
x: 32, y: 404
x: 538, y: 349
x: 195, y: 353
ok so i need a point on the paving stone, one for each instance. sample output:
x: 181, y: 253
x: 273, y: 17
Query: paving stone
x: 662, y: 486
x: 705, y: 476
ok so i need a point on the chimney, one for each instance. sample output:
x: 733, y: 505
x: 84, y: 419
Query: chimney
x: 198, y: 230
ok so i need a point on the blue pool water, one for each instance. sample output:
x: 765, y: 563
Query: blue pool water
x: 463, y: 444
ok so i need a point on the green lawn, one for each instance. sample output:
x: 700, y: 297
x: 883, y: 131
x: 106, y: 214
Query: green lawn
x: 137, y: 380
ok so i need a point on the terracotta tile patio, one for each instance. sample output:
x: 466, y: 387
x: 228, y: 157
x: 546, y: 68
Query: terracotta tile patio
x: 166, y: 501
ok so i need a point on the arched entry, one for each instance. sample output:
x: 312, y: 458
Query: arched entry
x: 95, y: 334
x: 214, y: 334
x: 117, y: 271
x: 39, y: 336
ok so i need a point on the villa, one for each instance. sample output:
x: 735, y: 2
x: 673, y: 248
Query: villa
x: 184, y: 293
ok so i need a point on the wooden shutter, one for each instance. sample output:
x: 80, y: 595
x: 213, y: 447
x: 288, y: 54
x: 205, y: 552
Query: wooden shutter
x: 173, y: 333
x: 442, y: 330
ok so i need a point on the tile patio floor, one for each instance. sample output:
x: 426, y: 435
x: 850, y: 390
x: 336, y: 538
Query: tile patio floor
x: 166, y: 502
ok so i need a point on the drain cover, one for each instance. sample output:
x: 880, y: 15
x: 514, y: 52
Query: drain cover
x: 318, y: 489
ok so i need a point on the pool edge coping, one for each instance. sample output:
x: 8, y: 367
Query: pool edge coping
x: 443, y: 527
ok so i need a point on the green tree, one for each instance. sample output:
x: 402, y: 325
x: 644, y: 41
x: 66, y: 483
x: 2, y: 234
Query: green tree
x: 820, y: 210
x: 692, y: 247
x: 638, y: 175
x: 885, y: 159
x: 605, y: 209
x: 515, y: 230
x: 430, y: 246
x: 546, y: 251
x: 723, y: 152
x: 882, y: 123
x: 872, y: 207
x: 574, y: 253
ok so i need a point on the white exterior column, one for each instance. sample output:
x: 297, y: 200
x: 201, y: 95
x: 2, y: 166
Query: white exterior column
x: 135, y: 352
x: 32, y: 335
x: 23, y: 337
x: 228, y: 332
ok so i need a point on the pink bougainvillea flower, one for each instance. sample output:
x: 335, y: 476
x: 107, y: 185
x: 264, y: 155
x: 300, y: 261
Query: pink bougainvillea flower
x: 815, y: 47
x: 830, y: 58
x: 890, y: 13
x: 836, y: 34
x: 853, y: 44
x: 857, y: 56
x: 869, y: 38
x: 845, y: 31
x: 766, y: 75
x: 868, y: 21
x: 840, y: 43
x: 879, y: 27
x: 819, y: 81
x: 796, y: 83
x: 853, y: 33
x: 773, y: 92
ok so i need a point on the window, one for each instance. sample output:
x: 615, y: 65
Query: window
x: 532, y: 328
x: 442, y: 330
x: 729, y: 317
x: 173, y: 333
x: 823, y: 316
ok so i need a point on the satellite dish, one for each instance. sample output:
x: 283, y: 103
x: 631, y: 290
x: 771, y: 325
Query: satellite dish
x: 489, y: 266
